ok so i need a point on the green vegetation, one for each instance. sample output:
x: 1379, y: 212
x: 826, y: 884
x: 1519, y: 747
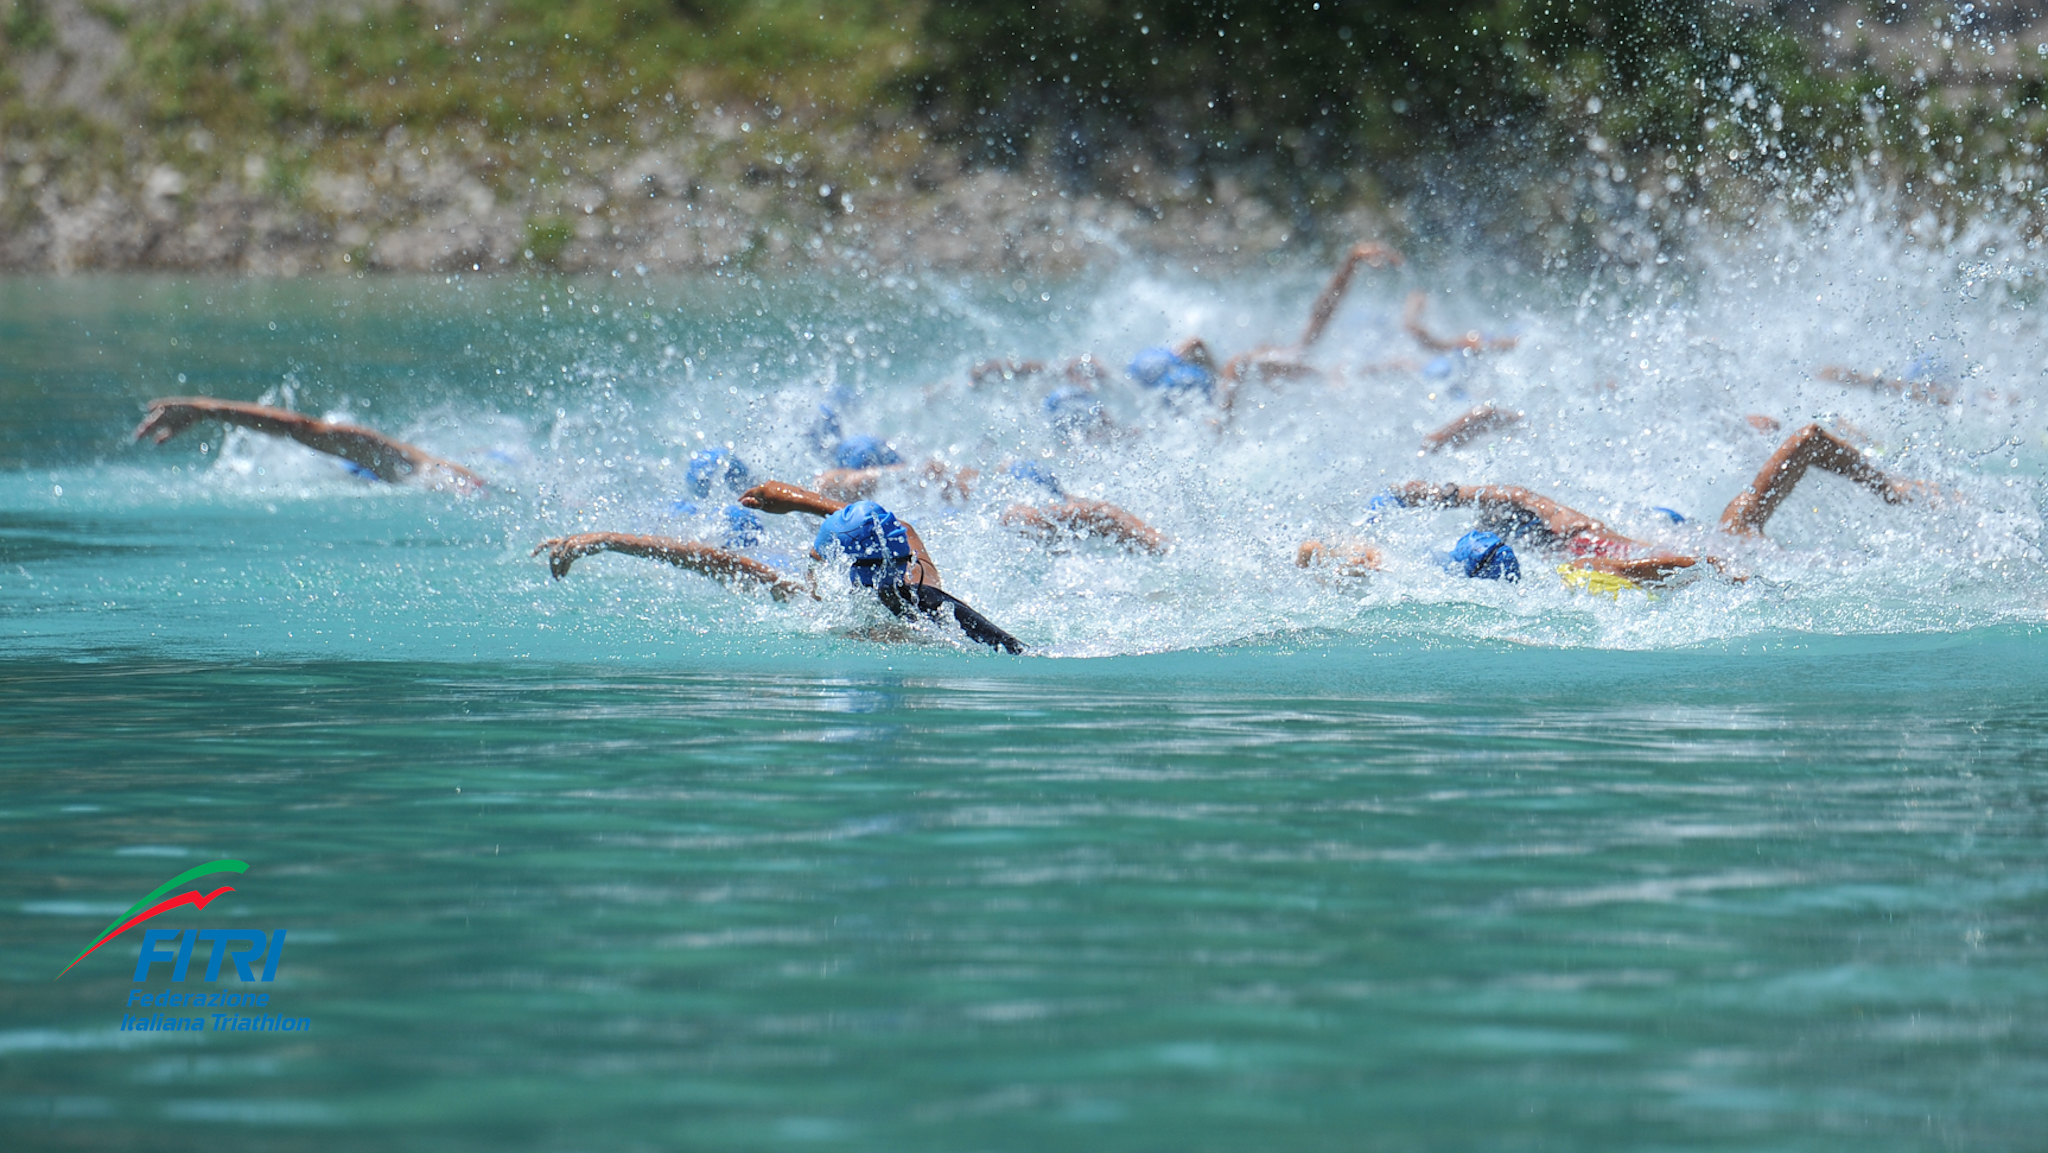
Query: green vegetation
x: 546, y: 237
x: 1314, y: 103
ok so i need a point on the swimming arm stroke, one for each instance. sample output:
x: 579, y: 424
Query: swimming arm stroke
x: 388, y: 460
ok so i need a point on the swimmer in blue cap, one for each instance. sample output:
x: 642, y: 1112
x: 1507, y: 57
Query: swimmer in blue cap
x: 1484, y: 556
x: 884, y: 554
x: 718, y: 467
x: 1516, y: 514
x: 369, y: 452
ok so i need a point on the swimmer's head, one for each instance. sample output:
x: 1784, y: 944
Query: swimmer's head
x: 1164, y: 370
x: 864, y: 452
x: 1484, y: 556
x: 743, y: 527
x: 868, y: 535
x: 715, y: 466
x: 1071, y: 407
x: 1670, y: 514
x: 1036, y: 474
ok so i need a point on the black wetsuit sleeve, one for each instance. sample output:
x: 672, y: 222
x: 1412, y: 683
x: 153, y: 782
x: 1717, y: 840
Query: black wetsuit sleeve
x: 932, y: 604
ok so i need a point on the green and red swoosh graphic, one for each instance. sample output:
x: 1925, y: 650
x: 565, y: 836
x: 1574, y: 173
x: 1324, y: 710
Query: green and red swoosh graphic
x: 150, y: 906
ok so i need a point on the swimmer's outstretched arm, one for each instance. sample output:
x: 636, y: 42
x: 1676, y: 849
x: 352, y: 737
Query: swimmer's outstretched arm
x: 1523, y: 509
x: 780, y: 497
x: 1810, y: 447
x: 386, y: 459
x: 1377, y: 255
x: 1654, y: 567
x: 1471, y: 426
x: 1910, y: 389
x: 850, y: 484
x: 1411, y: 319
x: 1086, y: 518
x: 716, y: 563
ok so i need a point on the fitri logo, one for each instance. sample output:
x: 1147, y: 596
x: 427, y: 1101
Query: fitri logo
x: 250, y: 954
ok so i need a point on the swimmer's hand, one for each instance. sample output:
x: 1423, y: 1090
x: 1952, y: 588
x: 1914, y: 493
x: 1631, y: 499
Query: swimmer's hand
x: 564, y: 551
x: 716, y: 563
x: 1356, y: 561
x: 779, y: 497
x: 169, y: 416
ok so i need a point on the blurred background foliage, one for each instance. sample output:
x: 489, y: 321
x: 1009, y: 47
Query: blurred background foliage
x: 1314, y: 103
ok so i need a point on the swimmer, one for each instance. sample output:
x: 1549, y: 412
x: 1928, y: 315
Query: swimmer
x: 1189, y: 369
x: 1072, y: 516
x: 887, y: 556
x: 1473, y: 341
x: 1470, y: 427
x: 858, y: 465
x: 718, y: 467
x: 1509, y: 514
x: 1285, y: 362
x: 371, y: 453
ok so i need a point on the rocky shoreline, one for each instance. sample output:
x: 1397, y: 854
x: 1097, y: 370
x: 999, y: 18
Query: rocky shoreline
x: 408, y: 212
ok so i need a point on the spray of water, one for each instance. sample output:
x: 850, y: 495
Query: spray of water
x: 1656, y: 387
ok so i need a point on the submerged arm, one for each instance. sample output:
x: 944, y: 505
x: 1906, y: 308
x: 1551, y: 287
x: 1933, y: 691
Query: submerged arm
x: 386, y: 459
x: 716, y: 563
x: 1910, y: 389
x: 1087, y: 518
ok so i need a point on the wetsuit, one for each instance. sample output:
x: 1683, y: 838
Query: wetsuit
x: 879, y: 548
x: 910, y: 601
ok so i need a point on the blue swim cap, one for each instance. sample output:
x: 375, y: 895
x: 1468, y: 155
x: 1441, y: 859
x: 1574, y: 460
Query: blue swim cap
x: 864, y: 452
x: 683, y: 508
x: 1163, y: 369
x: 1484, y: 556
x: 715, y: 466
x: 1675, y: 516
x: 1036, y: 474
x: 871, y: 537
x: 825, y: 429
x: 743, y: 527
x: 1071, y: 406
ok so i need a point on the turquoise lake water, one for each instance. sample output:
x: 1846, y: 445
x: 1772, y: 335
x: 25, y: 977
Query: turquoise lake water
x: 1237, y: 859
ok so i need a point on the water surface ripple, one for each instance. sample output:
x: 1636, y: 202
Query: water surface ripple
x: 1451, y: 900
